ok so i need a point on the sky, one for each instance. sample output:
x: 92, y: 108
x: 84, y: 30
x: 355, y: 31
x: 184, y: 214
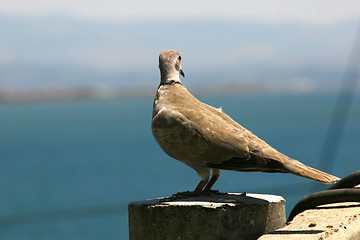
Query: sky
x: 110, y: 43
x: 315, y: 11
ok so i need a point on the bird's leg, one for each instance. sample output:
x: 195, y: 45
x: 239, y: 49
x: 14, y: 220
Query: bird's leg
x: 201, y: 185
x: 215, y: 176
x: 211, y: 183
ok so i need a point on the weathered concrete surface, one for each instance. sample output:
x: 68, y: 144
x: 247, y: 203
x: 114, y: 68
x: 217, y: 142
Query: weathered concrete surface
x: 230, y: 216
x: 327, y: 222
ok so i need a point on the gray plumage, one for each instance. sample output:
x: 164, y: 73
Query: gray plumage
x: 205, y: 138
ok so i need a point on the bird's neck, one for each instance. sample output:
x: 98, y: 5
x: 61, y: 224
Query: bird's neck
x: 169, y: 78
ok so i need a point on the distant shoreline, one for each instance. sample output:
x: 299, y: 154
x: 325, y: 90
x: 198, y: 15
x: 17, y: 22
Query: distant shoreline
x: 75, y: 94
x: 63, y: 94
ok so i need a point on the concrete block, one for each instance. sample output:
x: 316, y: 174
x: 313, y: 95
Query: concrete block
x: 327, y: 222
x: 220, y: 216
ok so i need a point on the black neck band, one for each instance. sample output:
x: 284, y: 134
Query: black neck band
x: 171, y: 82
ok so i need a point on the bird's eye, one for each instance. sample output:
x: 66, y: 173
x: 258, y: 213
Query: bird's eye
x: 179, y: 58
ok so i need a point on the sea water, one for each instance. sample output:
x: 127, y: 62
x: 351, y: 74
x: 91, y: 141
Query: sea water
x: 69, y: 169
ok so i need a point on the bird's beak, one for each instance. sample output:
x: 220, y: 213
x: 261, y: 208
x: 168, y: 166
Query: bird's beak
x: 182, y: 72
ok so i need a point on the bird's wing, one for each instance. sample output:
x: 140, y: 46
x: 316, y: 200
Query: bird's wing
x: 239, y: 148
x: 261, y: 156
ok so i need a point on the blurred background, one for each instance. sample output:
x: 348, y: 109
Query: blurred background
x: 77, y: 80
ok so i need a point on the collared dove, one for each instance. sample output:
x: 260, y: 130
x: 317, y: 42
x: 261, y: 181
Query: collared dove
x: 205, y: 138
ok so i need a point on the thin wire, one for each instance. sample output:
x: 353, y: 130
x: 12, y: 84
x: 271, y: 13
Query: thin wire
x: 341, y: 111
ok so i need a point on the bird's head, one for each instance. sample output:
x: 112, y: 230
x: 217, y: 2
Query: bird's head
x: 170, y: 67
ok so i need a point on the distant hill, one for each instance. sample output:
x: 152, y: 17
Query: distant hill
x: 67, y: 52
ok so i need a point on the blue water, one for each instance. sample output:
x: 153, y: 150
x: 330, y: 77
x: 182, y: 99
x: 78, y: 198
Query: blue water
x: 69, y: 169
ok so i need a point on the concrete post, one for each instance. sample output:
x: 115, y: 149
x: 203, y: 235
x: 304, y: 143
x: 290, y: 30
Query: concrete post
x: 220, y: 216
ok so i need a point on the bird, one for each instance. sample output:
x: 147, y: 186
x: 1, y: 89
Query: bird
x: 207, y: 139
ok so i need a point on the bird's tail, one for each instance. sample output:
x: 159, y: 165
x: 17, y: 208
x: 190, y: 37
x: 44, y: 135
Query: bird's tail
x: 297, y: 168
